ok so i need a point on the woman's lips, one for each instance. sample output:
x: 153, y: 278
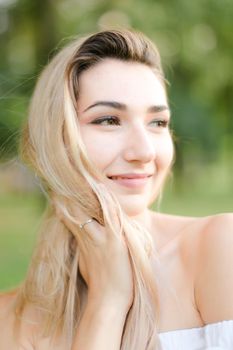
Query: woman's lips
x: 131, y: 180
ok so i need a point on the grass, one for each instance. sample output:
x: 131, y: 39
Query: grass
x: 20, y: 217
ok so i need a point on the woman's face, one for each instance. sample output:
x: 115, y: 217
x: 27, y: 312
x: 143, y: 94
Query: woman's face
x: 124, y: 115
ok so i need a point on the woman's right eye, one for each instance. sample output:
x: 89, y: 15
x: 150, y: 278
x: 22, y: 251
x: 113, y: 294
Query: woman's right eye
x: 107, y: 120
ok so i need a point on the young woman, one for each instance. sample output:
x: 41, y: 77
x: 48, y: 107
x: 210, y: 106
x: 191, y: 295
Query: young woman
x: 108, y: 273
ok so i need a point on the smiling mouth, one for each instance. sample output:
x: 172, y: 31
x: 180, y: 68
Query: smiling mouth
x: 131, y: 180
x: 129, y: 176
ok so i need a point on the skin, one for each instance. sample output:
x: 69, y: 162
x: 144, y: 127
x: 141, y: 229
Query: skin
x: 195, y: 253
x: 134, y: 139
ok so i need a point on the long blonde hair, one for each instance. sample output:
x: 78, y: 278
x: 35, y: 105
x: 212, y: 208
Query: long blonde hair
x: 52, y: 145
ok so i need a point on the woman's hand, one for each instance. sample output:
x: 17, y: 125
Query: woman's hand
x: 104, y: 261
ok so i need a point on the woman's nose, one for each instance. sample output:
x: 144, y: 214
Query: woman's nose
x: 139, y: 145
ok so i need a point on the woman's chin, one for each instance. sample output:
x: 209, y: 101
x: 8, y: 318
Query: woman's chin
x: 133, y: 207
x: 136, y: 205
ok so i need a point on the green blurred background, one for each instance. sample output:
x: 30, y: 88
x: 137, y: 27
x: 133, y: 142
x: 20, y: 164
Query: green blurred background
x: 196, y: 43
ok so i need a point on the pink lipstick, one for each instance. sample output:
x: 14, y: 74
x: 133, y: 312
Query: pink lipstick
x: 131, y: 180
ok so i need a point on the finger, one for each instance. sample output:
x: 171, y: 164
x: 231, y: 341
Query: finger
x: 84, y: 228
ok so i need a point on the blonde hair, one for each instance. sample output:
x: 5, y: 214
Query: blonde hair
x: 52, y: 145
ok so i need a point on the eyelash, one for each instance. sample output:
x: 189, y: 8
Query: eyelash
x: 162, y: 123
x: 109, y: 118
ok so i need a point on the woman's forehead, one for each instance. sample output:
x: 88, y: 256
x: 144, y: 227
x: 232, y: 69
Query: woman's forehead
x: 129, y: 83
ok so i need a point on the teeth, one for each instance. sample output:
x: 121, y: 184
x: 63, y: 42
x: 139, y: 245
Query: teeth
x: 120, y: 177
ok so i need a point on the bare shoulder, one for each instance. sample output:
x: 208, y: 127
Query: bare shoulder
x: 7, y: 320
x: 204, y: 248
x: 214, y: 273
x: 196, y: 230
x: 7, y: 297
x: 7, y: 300
x: 25, y: 335
x: 219, y: 225
x: 29, y: 336
x: 8, y: 338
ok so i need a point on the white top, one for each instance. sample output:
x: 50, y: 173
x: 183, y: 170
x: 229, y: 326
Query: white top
x: 215, y: 336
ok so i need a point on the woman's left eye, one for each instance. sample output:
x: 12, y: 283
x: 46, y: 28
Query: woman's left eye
x: 106, y: 120
x: 161, y: 123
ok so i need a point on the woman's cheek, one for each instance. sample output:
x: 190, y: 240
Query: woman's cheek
x: 166, y: 152
x: 100, y: 150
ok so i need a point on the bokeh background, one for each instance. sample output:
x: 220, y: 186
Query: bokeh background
x: 196, y: 43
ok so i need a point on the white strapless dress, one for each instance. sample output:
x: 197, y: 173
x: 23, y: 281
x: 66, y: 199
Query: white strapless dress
x: 215, y: 336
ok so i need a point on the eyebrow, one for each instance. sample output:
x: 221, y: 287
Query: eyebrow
x: 123, y: 106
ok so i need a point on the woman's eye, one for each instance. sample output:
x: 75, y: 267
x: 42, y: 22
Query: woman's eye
x: 108, y: 120
x: 161, y: 123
